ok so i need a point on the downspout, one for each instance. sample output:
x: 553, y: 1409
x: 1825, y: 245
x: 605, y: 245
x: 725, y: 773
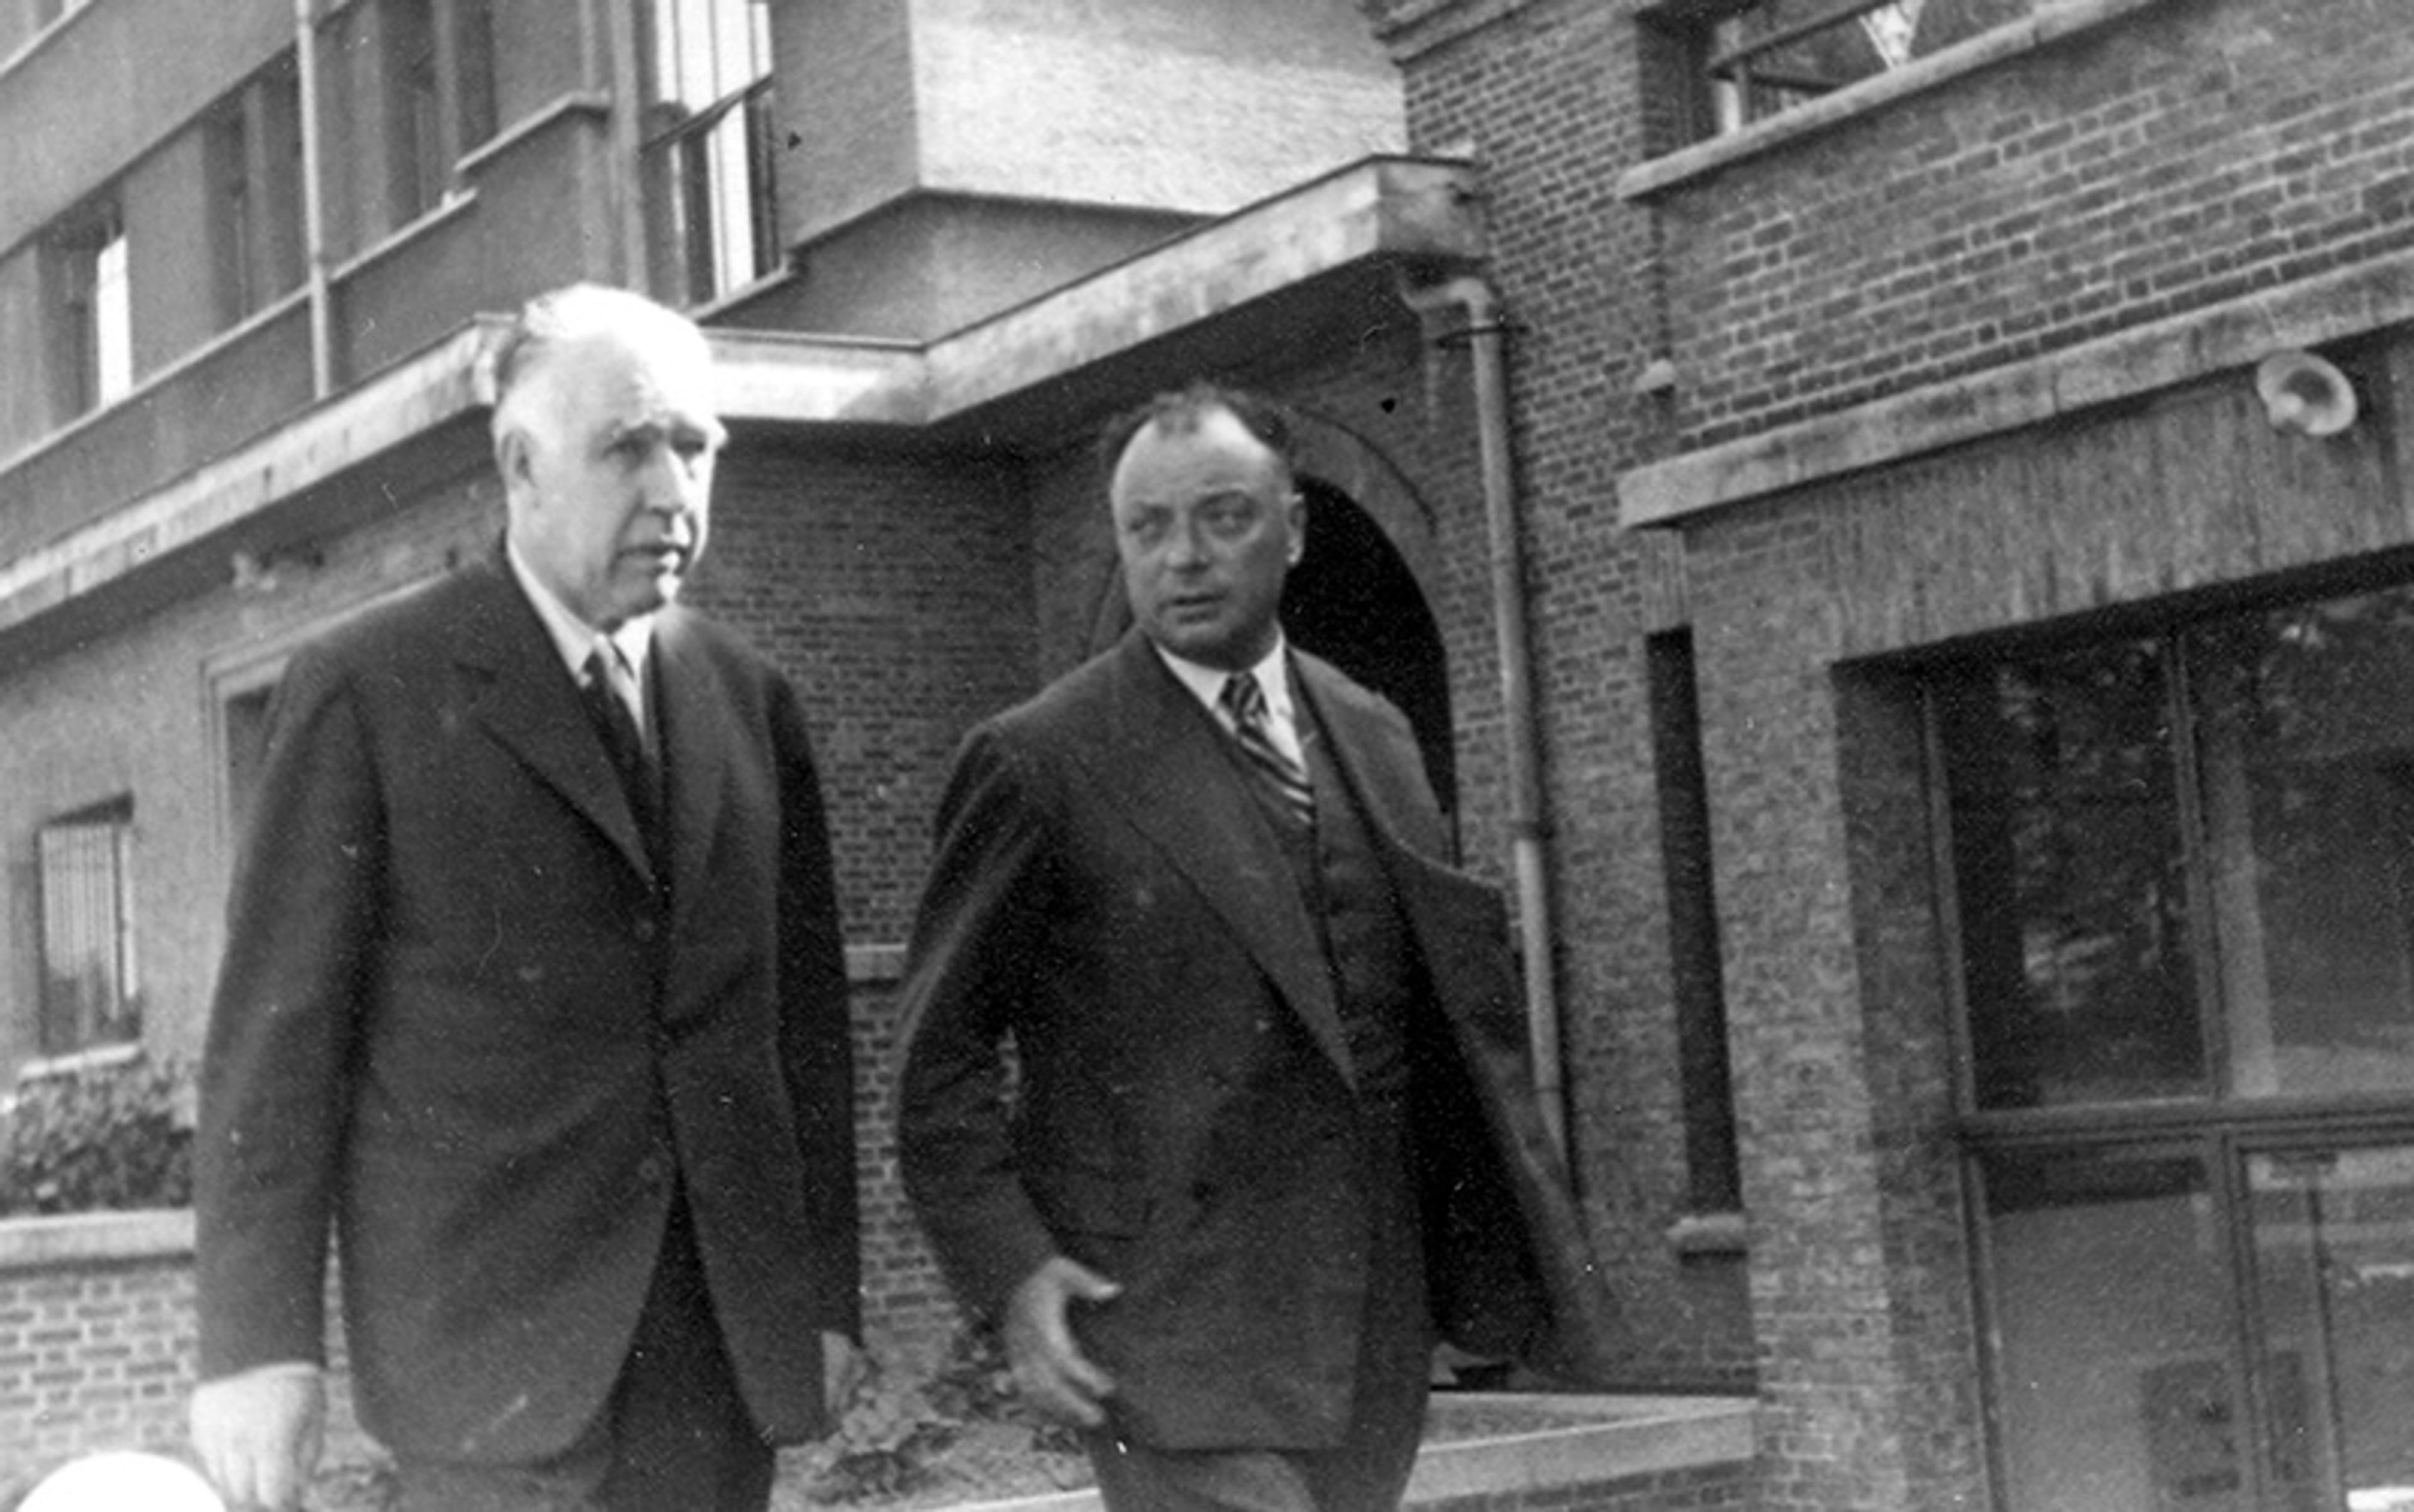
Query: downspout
x: 314, y: 209
x: 1529, y: 830
x: 626, y: 172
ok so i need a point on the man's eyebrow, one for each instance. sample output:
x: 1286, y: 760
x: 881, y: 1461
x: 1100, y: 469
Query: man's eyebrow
x: 645, y: 427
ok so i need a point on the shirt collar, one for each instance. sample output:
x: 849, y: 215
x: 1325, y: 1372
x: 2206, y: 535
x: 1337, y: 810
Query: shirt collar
x: 573, y: 638
x: 1206, y: 683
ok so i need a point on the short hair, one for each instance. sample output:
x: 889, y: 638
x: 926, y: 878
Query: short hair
x: 1181, y: 411
x: 561, y: 314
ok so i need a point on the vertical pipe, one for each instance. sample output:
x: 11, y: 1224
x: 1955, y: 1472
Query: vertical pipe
x: 314, y: 209
x: 1529, y: 830
x: 626, y: 171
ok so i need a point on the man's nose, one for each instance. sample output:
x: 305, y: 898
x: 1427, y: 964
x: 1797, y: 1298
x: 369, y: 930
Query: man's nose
x: 1185, y: 546
x: 671, y: 485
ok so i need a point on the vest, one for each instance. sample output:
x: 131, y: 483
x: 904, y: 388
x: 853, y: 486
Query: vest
x: 1368, y: 951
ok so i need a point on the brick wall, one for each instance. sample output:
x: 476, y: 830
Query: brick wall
x: 1542, y: 93
x: 102, y: 1353
x: 2186, y: 154
x: 1861, y: 1280
x: 97, y: 1342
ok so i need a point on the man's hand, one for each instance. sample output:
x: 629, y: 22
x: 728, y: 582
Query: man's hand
x: 258, y: 1433
x: 1050, y: 1369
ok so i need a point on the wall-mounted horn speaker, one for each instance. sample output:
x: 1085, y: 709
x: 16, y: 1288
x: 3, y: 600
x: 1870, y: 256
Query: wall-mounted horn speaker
x: 2302, y: 393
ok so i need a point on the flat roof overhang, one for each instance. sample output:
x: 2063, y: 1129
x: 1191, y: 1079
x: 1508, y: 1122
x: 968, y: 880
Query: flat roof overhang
x: 1302, y: 276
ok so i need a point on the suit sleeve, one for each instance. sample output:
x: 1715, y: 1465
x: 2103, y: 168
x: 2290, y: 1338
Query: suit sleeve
x: 275, y: 1098
x: 816, y: 1026
x: 979, y: 934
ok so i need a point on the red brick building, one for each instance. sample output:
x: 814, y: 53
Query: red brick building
x: 1862, y: 501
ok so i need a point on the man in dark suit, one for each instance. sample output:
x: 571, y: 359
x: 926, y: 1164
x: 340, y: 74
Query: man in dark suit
x: 534, y: 998
x: 1264, y: 1141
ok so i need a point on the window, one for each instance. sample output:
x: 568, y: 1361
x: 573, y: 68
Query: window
x: 243, y: 725
x: 1714, y: 1180
x: 709, y: 160
x: 1752, y: 59
x: 2181, y: 878
x: 439, y: 103
x: 93, y: 330
x: 252, y: 152
x: 89, y: 994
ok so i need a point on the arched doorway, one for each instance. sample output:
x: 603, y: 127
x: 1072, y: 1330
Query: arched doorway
x: 1352, y: 601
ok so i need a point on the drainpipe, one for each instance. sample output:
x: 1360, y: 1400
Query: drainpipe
x: 627, y: 165
x: 314, y: 209
x: 1529, y: 830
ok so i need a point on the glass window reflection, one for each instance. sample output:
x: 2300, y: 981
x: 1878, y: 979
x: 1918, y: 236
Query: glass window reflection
x: 2308, y: 758
x: 2070, y: 879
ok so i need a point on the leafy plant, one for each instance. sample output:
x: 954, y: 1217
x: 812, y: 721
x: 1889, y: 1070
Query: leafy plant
x: 103, y: 1135
x: 912, y: 1427
x: 885, y: 1441
x: 976, y: 1384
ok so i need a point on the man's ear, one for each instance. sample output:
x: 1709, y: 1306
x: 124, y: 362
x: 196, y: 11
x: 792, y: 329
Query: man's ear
x: 515, y: 460
x: 1296, y: 508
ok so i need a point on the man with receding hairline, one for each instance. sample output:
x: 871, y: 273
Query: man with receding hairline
x: 1264, y: 1142
x: 534, y: 1004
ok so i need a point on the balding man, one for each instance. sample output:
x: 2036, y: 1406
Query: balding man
x: 534, y: 1002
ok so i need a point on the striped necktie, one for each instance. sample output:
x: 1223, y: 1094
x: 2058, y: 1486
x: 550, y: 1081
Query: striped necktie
x: 1245, y: 702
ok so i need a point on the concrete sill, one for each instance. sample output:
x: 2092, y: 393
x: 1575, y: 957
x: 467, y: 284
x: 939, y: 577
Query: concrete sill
x: 1571, y: 1441
x: 31, y: 1242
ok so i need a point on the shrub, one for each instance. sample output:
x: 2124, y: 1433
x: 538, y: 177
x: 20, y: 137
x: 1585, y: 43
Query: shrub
x: 910, y: 1429
x: 105, y: 1134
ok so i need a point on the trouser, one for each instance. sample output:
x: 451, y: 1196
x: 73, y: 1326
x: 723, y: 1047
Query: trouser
x: 674, y: 1436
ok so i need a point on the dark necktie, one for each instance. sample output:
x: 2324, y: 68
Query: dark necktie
x: 622, y: 741
x: 1245, y: 702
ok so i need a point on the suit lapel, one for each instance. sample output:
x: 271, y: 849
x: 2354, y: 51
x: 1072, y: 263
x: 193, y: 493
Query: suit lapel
x: 525, y: 698
x: 696, y: 749
x: 1157, y: 759
x: 1383, y: 769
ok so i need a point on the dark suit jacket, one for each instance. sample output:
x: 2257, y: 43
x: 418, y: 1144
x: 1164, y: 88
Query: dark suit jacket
x: 455, y: 1022
x: 1107, y: 892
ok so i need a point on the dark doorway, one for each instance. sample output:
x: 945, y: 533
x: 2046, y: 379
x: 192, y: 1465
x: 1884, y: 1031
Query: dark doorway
x: 1352, y: 601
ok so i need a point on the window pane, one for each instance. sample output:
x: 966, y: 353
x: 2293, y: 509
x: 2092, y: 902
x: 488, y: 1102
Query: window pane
x: 113, y: 318
x: 710, y: 162
x: 1772, y: 56
x: 2308, y: 755
x: 88, y: 987
x: 2068, y: 871
x: 2112, y: 1366
x: 2335, y: 1258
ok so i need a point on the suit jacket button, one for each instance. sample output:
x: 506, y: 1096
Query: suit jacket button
x: 645, y: 931
x: 652, y: 1170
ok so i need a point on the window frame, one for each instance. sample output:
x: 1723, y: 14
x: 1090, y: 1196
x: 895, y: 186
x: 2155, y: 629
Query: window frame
x: 70, y: 1027
x: 92, y: 327
x: 1718, y: 78
x: 252, y: 157
x: 2221, y: 1129
x: 436, y: 65
x: 682, y: 154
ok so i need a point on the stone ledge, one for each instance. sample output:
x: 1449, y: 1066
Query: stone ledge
x: 88, y: 1238
x: 1576, y: 1441
x: 2125, y: 365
